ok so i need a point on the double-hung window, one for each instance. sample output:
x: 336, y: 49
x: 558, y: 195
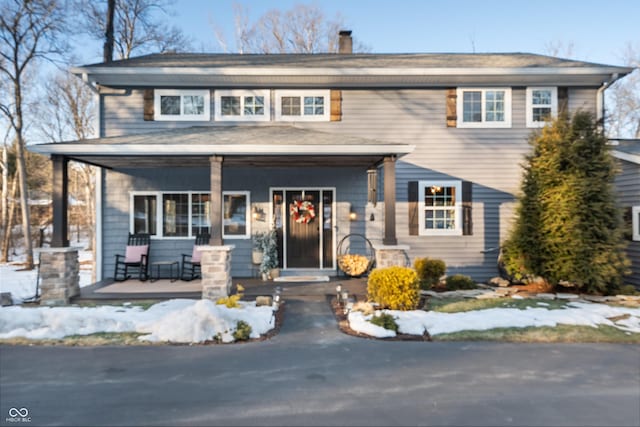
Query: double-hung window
x: 235, y: 217
x: 181, y: 105
x: 303, y: 105
x: 484, y: 107
x: 542, y: 104
x: 440, y: 208
x: 242, y: 105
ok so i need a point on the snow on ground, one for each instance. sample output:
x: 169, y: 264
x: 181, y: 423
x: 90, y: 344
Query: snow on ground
x: 22, y: 284
x: 177, y: 320
x: 416, y: 322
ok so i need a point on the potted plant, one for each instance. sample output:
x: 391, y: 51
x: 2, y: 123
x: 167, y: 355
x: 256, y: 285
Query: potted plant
x: 269, y: 255
x: 256, y: 253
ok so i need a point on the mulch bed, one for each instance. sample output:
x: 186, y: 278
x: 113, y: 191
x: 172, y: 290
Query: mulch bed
x: 343, y: 325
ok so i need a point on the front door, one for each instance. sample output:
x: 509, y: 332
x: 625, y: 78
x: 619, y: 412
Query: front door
x: 303, y: 219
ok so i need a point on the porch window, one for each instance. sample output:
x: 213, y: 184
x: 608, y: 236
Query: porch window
x: 307, y: 105
x: 242, y: 105
x: 200, y: 213
x: 490, y: 108
x: 144, y: 214
x: 440, y: 210
x: 542, y: 104
x: 175, y: 215
x: 181, y: 105
x: 236, y: 221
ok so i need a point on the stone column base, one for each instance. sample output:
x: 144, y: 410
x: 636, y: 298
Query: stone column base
x: 216, y: 271
x: 59, y: 274
x: 388, y: 256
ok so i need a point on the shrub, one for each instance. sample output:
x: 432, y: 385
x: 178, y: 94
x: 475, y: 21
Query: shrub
x: 386, y: 321
x: 243, y: 331
x: 459, y: 281
x: 231, y: 301
x: 429, y: 271
x: 396, y: 288
x: 628, y: 290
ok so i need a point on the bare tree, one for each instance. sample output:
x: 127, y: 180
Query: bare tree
x: 29, y: 31
x: 623, y: 99
x: 69, y: 113
x: 301, y: 29
x: 137, y: 27
x: 559, y: 49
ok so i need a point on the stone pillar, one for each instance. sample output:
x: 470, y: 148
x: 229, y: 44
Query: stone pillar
x: 216, y: 271
x: 59, y: 275
x: 390, y: 202
x: 388, y: 256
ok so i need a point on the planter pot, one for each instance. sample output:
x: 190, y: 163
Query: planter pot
x: 274, y: 273
x: 256, y: 257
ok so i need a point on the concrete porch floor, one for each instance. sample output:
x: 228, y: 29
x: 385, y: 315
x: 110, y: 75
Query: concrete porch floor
x: 161, y: 289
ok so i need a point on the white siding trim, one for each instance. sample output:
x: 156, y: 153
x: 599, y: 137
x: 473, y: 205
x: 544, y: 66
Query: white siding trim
x: 635, y: 223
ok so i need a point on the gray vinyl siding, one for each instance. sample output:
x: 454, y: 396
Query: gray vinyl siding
x: 349, y: 183
x: 628, y: 186
x: 490, y: 158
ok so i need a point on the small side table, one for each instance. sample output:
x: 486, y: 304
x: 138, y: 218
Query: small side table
x: 169, y: 264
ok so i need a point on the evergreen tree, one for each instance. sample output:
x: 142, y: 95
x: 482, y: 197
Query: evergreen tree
x: 568, y: 226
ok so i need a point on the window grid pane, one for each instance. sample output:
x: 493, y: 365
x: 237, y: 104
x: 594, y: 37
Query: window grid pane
x: 230, y: 105
x: 313, y: 105
x: 541, y: 97
x: 144, y: 214
x: 175, y: 215
x: 193, y: 105
x: 200, y: 214
x: 438, y: 204
x: 254, y: 105
x: 472, y: 106
x: 170, y: 105
x: 290, y: 105
x: 494, y: 106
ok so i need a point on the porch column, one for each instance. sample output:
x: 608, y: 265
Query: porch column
x: 390, y: 202
x: 216, y: 200
x: 60, y: 237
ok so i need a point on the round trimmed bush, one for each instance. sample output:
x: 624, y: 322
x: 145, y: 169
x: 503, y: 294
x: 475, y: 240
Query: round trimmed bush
x: 459, y: 281
x: 429, y: 271
x: 396, y: 288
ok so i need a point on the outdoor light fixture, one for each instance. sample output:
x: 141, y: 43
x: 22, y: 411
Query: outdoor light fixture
x: 352, y: 215
x: 338, y: 290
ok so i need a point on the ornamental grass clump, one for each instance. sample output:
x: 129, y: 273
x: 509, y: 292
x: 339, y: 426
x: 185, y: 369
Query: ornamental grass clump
x: 396, y: 288
x: 429, y: 271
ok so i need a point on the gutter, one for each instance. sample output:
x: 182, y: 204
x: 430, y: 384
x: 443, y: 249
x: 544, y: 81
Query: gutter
x: 600, y: 108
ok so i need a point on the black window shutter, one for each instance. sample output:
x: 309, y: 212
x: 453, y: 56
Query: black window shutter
x: 413, y: 208
x: 467, y: 202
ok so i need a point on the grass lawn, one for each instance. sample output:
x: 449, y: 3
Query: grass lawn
x: 546, y: 334
x: 92, y: 340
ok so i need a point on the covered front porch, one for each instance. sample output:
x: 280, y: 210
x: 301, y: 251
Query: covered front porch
x: 260, y: 162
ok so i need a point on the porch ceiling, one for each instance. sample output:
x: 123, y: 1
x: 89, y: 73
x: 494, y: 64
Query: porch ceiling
x: 274, y: 146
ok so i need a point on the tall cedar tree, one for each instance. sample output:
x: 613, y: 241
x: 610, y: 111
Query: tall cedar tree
x: 568, y: 225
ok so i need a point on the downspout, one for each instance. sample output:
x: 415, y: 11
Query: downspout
x: 97, y: 247
x: 600, y: 109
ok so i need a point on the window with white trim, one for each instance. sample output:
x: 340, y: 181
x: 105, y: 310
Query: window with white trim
x: 440, y: 208
x: 484, y: 107
x: 542, y: 104
x: 303, y: 105
x: 236, y: 223
x: 635, y: 223
x: 242, y: 105
x: 187, y: 214
x: 181, y: 105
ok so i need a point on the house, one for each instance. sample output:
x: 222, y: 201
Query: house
x: 420, y: 153
x: 628, y: 185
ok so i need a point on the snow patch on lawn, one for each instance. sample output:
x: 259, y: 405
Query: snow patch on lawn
x: 417, y: 322
x: 22, y: 284
x: 178, y: 321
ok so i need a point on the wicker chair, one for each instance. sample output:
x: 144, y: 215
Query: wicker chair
x: 136, y: 258
x: 191, y: 262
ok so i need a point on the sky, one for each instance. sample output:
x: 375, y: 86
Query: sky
x: 598, y: 30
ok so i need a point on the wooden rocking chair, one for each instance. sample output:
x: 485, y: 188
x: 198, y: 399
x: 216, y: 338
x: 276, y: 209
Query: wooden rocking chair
x: 136, y: 258
x: 191, y: 263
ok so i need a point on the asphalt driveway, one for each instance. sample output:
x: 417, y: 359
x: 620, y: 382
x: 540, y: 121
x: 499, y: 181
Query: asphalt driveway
x: 311, y: 374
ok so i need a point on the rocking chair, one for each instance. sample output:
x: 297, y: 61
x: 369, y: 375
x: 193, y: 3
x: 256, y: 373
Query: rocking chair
x: 136, y: 258
x: 191, y: 263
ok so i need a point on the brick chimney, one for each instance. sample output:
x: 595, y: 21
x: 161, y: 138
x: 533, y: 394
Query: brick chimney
x: 345, y: 42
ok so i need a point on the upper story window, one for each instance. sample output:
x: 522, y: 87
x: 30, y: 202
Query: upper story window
x: 242, y: 105
x: 303, y: 105
x: 440, y: 208
x: 178, y: 104
x: 484, y: 107
x: 542, y: 104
